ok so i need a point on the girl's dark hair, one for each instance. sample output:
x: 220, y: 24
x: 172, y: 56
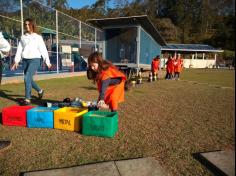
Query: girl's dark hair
x: 91, y: 74
x: 96, y: 57
x: 32, y: 24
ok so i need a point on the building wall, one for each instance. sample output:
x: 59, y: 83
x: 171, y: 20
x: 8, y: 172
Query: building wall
x: 148, y: 48
x: 121, y: 45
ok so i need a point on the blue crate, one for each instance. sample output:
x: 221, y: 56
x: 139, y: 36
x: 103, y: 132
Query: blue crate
x: 41, y: 117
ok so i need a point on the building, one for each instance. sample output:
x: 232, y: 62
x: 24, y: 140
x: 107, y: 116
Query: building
x: 194, y: 55
x: 130, y: 41
x: 133, y: 42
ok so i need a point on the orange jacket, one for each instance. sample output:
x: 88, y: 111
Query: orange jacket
x: 178, y: 65
x: 115, y: 93
x: 155, y: 65
x: 170, y: 66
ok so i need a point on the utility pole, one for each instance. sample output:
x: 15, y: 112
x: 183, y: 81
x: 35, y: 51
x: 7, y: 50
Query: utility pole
x: 157, y: 6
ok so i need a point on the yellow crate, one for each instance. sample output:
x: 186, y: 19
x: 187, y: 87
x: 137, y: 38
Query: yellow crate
x: 69, y: 118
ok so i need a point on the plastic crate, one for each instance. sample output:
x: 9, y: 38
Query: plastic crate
x: 15, y: 115
x: 100, y: 123
x: 40, y: 117
x: 69, y: 118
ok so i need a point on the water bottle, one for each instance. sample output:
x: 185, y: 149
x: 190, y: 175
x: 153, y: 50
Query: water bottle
x: 139, y: 81
x: 93, y: 106
x: 155, y: 77
x: 150, y: 77
x: 77, y: 102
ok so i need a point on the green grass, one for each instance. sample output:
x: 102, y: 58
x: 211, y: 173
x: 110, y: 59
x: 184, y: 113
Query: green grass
x: 221, y: 77
x: 169, y: 120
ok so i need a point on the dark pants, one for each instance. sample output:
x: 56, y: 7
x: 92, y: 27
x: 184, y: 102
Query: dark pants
x: 176, y: 75
x: 168, y: 75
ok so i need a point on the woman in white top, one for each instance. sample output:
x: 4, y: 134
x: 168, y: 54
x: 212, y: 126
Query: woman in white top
x: 30, y: 49
x: 4, y: 49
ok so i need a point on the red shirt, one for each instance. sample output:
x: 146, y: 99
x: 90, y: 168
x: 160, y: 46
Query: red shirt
x: 155, y: 65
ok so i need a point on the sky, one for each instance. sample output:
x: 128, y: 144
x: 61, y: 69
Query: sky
x: 76, y: 4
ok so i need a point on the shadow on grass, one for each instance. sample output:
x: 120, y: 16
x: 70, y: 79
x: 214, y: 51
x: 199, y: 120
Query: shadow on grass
x: 42, y: 102
x: 6, y: 94
x: 89, y: 88
x: 19, y: 100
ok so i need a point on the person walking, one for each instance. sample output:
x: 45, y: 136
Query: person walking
x: 178, y: 67
x: 4, y: 50
x: 169, y: 68
x: 110, y: 81
x: 30, y: 50
x: 155, y: 66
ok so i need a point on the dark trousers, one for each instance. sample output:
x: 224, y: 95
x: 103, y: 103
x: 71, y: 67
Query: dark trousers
x: 176, y: 75
x: 168, y: 75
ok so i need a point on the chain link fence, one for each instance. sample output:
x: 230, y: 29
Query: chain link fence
x: 69, y: 41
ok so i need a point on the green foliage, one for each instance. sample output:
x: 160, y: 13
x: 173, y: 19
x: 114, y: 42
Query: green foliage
x: 229, y: 54
x: 179, y: 21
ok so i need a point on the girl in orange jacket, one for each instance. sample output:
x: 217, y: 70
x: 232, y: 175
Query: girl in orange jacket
x: 178, y: 66
x: 110, y: 81
x: 155, y: 65
x: 169, y: 68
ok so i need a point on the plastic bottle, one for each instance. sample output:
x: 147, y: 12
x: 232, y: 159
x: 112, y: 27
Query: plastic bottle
x: 77, y: 102
x: 150, y: 77
x: 155, y: 77
x: 139, y: 81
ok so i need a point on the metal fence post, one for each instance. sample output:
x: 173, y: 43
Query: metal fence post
x: 138, y: 46
x: 95, y: 39
x: 57, y: 39
x: 22, y: 17
x: 80, y: 34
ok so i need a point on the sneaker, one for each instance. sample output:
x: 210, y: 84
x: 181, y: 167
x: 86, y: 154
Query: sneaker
x: 40, y: 95
x: 25, y: 102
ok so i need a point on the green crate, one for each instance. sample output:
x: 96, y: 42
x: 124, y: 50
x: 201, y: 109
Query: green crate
x: 100, y: 123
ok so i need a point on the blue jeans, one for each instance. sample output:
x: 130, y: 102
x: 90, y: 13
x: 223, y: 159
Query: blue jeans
x: 30, y: 68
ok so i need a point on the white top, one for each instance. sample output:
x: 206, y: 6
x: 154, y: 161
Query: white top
x: 4, y: 45
x: 31, y: 46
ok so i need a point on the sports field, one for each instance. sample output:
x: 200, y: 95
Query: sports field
x: 169, y: 120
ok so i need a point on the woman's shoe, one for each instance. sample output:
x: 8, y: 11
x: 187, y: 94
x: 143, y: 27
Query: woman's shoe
x: 25, y: 102
x: 40, y: 95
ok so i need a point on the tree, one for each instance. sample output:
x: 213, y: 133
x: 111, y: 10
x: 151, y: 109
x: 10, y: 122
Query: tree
x: 167, y: 29
x: 100, y: 7
x: 58, y: 4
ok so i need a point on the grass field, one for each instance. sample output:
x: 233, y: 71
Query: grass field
x: 169, y: 120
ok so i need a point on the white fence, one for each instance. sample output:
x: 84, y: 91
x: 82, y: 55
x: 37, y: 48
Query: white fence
x: 195, y: 63
x: 58, y: 29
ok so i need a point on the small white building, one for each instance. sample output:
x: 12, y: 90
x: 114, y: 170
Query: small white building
x: 194, y: 55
